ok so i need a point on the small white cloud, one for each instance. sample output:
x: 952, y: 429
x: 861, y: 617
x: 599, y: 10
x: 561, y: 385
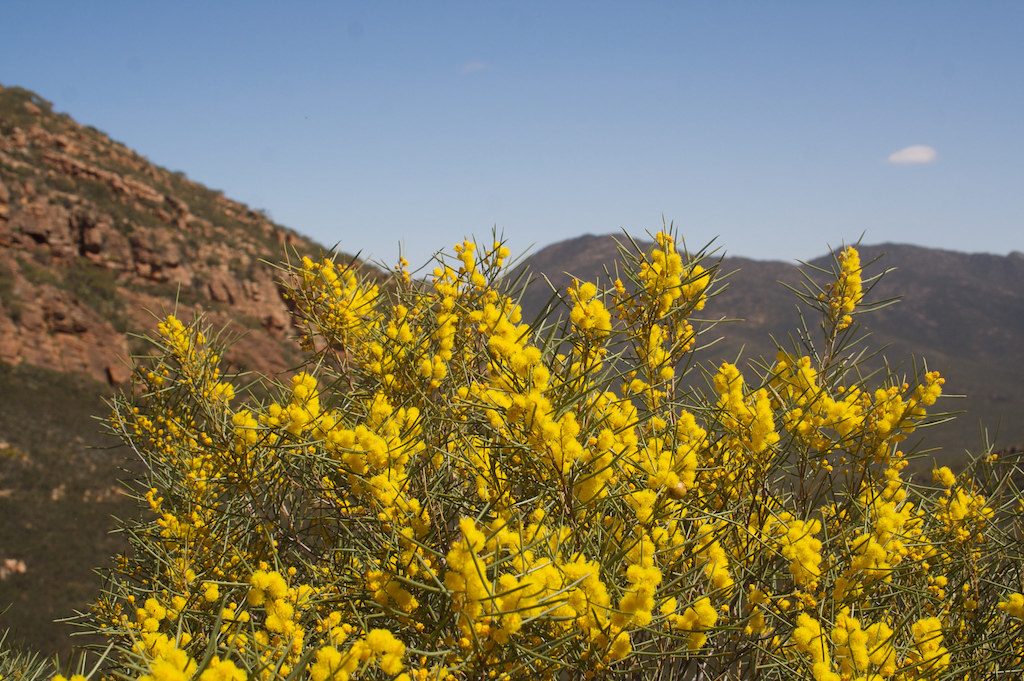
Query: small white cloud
x: 474, y: 66
x: 915, y: 155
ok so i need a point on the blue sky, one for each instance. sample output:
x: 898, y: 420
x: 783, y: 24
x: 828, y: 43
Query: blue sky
x: 769, y: 125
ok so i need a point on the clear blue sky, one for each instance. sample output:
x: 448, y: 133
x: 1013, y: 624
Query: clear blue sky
x: 770, y: 125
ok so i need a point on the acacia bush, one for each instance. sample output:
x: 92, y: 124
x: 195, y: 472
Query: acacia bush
x: 445, y: 491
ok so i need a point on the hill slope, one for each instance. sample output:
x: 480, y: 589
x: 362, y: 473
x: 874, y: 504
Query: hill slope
x: 962, y: 313
x: 94, y: 241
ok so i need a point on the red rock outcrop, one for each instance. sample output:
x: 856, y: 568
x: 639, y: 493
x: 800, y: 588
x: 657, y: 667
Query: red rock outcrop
x: 96, y: 240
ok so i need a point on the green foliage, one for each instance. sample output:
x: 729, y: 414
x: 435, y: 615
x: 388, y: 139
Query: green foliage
x: 7, y: 297
x: 91, y: 285
x: 60, y: 493
x: 18, y: 665
x: 96, y: 287
x: 14, y: 113
x: 38, y: 273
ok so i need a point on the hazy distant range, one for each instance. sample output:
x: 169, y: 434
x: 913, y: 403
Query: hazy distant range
x: 961, y: 313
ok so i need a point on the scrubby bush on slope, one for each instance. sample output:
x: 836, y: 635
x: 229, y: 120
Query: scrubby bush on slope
x: 445, y: 491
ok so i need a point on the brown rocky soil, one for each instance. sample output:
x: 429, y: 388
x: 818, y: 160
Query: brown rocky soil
x: 95, y: 241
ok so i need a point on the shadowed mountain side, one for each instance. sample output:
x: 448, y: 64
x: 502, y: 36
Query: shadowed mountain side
x: 961, y: 313
x: 58, y: 492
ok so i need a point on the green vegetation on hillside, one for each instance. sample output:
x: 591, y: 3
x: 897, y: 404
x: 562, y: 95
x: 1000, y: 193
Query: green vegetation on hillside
x: 59, y: 493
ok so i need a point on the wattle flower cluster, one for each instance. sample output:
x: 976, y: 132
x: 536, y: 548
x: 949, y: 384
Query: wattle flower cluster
x: 847, y: 291
x: 443, y: 491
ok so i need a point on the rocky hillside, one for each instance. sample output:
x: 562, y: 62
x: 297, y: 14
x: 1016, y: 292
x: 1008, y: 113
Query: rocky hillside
x: 961, y: 313
x: 95, y: 240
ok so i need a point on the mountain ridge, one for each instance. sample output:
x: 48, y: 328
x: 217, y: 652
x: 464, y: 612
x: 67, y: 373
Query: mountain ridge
x: 962, y: 312
x: 625, y: 237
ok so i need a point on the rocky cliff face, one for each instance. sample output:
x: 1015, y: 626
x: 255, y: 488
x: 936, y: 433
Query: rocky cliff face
x: 95, y: 240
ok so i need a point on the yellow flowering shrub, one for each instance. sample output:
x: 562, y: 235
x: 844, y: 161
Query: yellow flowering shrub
x: 444, y: 491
